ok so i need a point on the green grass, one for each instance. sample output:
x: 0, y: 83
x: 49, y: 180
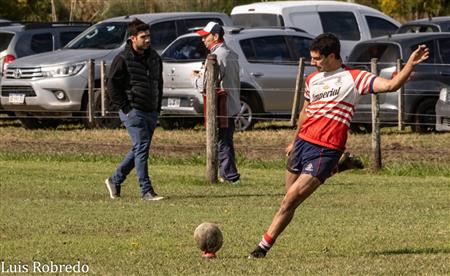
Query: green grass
x: 55, y: 208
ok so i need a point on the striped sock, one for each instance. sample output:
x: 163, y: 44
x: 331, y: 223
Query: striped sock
x: 266, y: 242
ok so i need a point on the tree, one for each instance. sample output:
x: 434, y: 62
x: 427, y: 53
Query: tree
x: 25, y: 10
x: 96, y: 10
x: 405, y: 10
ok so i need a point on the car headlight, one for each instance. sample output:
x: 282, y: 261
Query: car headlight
x: 62, y: 70
x: 444, y: 95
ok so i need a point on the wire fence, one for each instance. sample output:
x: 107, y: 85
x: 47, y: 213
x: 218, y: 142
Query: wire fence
x: 424, y: 83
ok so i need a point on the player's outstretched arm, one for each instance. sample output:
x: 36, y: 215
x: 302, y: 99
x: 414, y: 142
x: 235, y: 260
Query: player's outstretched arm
x: 381, y: 85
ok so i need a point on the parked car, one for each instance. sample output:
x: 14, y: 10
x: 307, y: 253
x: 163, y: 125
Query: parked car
x: 431, y: 24
x: 19, y: 40
x: 350, y: 22
x: 268, y: 59
x: 443, y: 110
x: 4, y: 22
x: 47, y: 87
x: 421, y: 90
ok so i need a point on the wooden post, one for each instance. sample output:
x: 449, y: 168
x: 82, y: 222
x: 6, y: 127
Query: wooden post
x: 297, y: 93
x: 91, y: 77
x: 401, y: 102
x: 102, y: 87
x: 212, y: 72
x: 376, y: 139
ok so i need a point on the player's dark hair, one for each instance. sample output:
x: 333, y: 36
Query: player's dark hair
x: 326, y: 44
x: 136, y: 26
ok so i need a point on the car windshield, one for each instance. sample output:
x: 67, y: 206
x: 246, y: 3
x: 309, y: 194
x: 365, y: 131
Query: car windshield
x: 5, y: 38
x: 108, y: 35
x: 186, y: 49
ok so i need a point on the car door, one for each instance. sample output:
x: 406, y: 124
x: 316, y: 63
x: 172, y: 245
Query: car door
x: 443, y: 67
x: 270, y: 64
x: 5, y: 38
x: 35, y: 43
x: 387, y: 54
x: 424, y: 80
x: 180, y: 59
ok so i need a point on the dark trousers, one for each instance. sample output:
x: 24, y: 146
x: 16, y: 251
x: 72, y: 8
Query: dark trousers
x: 227, y: 162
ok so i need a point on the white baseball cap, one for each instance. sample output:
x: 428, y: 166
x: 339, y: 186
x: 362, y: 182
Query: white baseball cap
x: 211, y: 28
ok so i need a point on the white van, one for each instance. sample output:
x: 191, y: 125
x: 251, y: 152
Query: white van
x: 351, y: 22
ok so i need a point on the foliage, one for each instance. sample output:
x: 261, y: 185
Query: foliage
x: 25, y: 10
x: 96, y: 10
x: 406, y: 10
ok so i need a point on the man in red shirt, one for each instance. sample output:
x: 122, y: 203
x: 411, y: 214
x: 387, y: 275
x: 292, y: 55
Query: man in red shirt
x: 331, y: 94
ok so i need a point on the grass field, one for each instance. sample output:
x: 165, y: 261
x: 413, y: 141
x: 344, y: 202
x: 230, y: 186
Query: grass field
x: 54, y: 208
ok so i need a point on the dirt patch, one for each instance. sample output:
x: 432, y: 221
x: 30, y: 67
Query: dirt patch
x: 260, y: 144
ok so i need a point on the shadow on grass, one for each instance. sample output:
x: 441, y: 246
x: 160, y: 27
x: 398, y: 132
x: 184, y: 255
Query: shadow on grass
x: 413, y: 251
x: 9, y: 122
x: 223, y: 196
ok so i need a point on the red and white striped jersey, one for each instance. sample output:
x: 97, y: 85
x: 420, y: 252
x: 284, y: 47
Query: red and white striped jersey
x: 332, y: 97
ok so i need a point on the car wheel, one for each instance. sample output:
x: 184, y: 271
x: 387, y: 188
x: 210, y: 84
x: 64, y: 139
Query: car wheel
x: 245, y: 118
x: 425, y: 118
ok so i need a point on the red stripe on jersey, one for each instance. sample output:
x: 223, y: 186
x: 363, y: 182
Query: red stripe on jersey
x: 360, y: 80
x: 326, y: 108
x: 366, y: 82
x: 332, y: 102
x: 353, y: 72
x: 328, y: 132
x: 334, y: 116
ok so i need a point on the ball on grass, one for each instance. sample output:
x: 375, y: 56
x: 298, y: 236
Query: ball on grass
x: 208, y: 237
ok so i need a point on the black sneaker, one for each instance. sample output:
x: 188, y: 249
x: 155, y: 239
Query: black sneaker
x: 152, y: 196
x: 114, y: 190
x: 258, y: 253
x: 349, y: 161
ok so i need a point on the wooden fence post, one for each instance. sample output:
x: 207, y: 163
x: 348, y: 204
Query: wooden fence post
x: 401, y: 99
x: 297, y: 93
x: 212, y: 72
x: 102, y: 86
x: 91, y: 85
x: 376, y: 139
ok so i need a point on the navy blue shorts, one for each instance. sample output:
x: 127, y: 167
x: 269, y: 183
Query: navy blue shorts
x: 308, y: 158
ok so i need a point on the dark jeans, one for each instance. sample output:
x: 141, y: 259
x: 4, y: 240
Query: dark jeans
x: 140, y: 126
x: 227, y: 162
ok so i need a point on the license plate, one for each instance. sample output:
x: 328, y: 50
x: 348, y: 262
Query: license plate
x: 173, y: 102
x: 16, y: 98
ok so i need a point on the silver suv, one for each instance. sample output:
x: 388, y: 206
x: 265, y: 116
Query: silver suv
x: 44, y: 88
x: 268, y: 59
